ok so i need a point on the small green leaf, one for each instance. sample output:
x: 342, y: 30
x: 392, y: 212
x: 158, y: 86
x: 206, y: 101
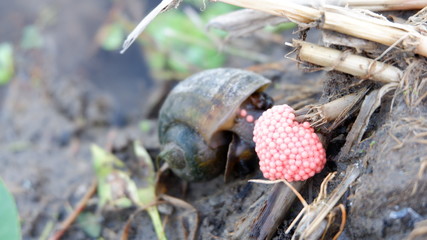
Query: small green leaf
x: 6, y: 63
x: 281, y: 27
x: 114, y: 36
x: 145, y: 126
x: 147, y: 194
x: 105, y: 164
x: 110, y: 169
x: 123, y: 202
x: 90, y: 224
x: 31, y: 38
x: 9, y: 219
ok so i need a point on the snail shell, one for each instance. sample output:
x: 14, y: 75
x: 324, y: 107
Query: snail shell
x: 197, y: 117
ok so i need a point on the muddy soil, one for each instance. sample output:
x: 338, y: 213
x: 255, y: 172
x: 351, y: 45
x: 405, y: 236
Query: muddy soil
x: 69, y: 93
x: 390, y: 197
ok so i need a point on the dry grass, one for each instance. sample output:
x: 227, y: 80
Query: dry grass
x: 369, y: 105
x: 362, y: 24
x: 414, y: 83
x: 335, y: 111
x: 312, y: 218
x: 343, y: 61
x: 421, y: 172
x: 313, y: 223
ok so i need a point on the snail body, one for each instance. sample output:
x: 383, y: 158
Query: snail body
x: 200, y: 124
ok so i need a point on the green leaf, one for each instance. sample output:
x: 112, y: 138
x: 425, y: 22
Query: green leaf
x: 281, y: 27
x: 90, y: 224
x: 105, y: 165
x: 114, y: 36
x: 174, y: 42
x: 31, y: 38
x: 147, y: 194
x: 6, y: 63
x: 9, y: 219
x: 215, y: 9
x: 145, y: 126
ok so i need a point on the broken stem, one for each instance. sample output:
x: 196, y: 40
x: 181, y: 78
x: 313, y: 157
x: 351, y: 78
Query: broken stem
x: 293, y: 11
x: 334, y: 110
x: 343, y: 20
x: 382, y: 5
x: 371, y: 102
x: 376, y: 29
x: 262, y: 222
x: 373, y: 5
x: 358, y: 66
x: 322, y: 210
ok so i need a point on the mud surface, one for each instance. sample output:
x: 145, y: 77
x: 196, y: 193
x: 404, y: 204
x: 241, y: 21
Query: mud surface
x: 69, y: 93
x: 390, y: 197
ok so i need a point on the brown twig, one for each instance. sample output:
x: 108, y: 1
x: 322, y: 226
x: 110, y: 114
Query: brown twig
x: 343, y: 221
x: 126, y: 227
x: 262, y: 222
x: 423, y: 167
x: 183, y: 204
x: 79, y: 208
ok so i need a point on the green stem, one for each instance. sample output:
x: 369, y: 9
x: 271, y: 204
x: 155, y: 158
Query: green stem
x: 157, y: 222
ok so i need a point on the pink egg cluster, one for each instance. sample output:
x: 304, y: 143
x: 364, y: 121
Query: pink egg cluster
x: 287, y: 149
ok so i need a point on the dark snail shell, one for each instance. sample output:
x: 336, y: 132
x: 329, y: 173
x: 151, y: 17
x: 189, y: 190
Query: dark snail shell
x: 195, y: 117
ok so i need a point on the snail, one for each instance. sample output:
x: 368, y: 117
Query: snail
x: 206, y: 122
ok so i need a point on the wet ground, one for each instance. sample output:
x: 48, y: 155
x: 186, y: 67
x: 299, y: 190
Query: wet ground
x: 68, y: 93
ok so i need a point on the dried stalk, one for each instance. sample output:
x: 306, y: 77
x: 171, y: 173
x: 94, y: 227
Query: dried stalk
x: 336, y: 110
x: 369, y: 105
x: 376, y: 29
x: 343, y: 20
x: 192, y: 235
x: 419, y: 232
x: 294, y: 11
x: 67, y: 223
x: 162, y: 7
x: 358, y: 66
x: 244, y: 21
x: 382, y: 5
x: 262, y: 221
x: 349, y: 63
x: 316, y: 212
x: 373, y: 5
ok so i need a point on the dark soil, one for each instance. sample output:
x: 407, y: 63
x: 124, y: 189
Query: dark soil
x: 390, y: 197
x: 69, y: 94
